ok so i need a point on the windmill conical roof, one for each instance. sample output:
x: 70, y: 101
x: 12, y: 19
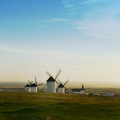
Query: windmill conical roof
x: 27, y: 85
x: 61, y: 85
x: 50, y: 79
x: 33, y: 85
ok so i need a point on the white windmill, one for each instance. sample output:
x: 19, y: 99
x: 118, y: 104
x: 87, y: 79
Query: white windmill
x: 61, y: 87
x: 28, y: 88
x: 34, y: 85
x: 51, y: 83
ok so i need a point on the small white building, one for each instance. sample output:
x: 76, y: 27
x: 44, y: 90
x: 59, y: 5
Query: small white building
x: 110, y: 95
x: 27, y: 88
x: 33, y: 87
x: 61, y: 88
x: 51, y: 85
x: 78, y: 90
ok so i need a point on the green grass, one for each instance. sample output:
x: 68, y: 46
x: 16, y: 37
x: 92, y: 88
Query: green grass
x: 46, y: 106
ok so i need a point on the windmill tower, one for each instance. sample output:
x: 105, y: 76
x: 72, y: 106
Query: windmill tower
x: 33, y: 87
x: 61, y: 87
x: 36, y: 83
x: 51, y: 82
x: 27, y: 88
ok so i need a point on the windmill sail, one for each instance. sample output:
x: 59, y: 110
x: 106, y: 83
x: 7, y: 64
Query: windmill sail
x: 43, y: 87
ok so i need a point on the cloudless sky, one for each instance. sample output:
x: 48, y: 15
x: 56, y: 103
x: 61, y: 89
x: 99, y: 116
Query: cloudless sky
x: 81, y: 37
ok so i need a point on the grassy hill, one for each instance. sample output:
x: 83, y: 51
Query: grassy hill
x: 46, y: 106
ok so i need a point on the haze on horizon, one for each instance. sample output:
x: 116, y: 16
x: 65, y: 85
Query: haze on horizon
x: 80, y: 37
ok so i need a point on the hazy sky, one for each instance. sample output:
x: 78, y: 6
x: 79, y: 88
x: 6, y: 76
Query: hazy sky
x: 81, y: 37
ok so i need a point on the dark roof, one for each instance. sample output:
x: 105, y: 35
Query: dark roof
x: 33, y: 85
x: 27, y: 85
x: 51, y: 79
x: 61, y: 86
x: 77, y: 90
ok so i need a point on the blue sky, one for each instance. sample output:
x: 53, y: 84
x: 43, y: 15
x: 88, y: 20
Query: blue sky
x: 79, y: 36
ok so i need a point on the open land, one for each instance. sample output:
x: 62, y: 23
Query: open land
x: 56, y: 106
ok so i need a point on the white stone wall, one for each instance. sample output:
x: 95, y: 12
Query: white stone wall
x: 33, y: 89
x: 82, y: 92
x: 76, y: 92
x: 51, y: 87
x: 61, y: 90
x: 28, y: 89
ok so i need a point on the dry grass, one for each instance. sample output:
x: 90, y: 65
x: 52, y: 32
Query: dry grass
x: 46, y: 106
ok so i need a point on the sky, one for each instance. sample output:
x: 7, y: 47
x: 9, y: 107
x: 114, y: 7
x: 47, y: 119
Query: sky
x: 80, y: 37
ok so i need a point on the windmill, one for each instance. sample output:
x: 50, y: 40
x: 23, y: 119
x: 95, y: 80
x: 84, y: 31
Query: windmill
x: 61, y: 87
x: 51, y: 82
x: 28, y: 86
x: 34, y: 85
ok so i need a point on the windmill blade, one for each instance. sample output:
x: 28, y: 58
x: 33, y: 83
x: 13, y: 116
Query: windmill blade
x: 48, y: 74
x: 58, y: 73
x: 57, y: 82
x: 57, y: 90
x: 29, y: 82
x: 66, y: 82
x: 35, y: 80
x: 40, y: 84
x: 43, y: 87
x: 66, y: 89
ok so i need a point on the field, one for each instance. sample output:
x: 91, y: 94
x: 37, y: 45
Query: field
x: 46, y: 106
